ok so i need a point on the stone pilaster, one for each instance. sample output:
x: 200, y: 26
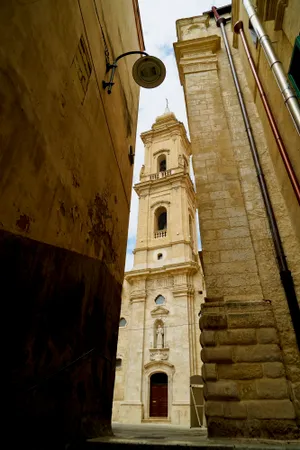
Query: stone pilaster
x: 132, y: 407
x: 248, y: 350
x: 228, y: 254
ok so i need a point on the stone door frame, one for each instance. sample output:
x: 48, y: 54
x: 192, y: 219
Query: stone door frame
x: 149, y: 369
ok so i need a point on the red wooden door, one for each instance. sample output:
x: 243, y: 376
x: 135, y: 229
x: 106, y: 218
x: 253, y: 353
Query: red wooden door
x: 158, y: 399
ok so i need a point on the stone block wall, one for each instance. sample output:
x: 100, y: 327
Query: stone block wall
x: 246, y: 389
x: 238, y: 254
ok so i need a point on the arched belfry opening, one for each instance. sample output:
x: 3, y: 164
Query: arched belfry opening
x: 162, y: 163
x: 159, y: 395
x: 161, y: 219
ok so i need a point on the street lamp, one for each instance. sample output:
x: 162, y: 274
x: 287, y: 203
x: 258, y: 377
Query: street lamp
x: 148, y: 71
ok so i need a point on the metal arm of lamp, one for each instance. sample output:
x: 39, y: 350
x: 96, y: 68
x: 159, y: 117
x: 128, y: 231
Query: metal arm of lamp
x: 153, y: 67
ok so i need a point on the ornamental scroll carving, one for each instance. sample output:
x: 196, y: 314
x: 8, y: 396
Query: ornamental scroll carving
x: 159, y: 354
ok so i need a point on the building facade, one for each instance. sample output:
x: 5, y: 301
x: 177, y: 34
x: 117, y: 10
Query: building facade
x: 158, y: 355
x: 251, y: 367
x: 65, y: 190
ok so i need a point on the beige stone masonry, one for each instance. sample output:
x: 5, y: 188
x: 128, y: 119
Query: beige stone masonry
x: 243, y: 366
x: 245, y: 320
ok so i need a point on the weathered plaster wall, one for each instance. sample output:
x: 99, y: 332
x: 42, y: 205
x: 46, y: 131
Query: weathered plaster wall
x: 65, y: 191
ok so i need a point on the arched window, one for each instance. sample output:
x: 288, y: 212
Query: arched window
x: 123, y: 322
x: 160, y: 300
x: 162, y: 163
x: 161, y: 219
x: 159, y: 256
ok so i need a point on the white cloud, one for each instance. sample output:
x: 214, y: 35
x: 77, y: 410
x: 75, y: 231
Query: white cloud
x: 159, y: 28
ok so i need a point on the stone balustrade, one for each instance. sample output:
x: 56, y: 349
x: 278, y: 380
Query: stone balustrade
x: 160, y: 234
x: 160, y: 175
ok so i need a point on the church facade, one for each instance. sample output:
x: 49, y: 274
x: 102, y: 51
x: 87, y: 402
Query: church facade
x: 158, y: 358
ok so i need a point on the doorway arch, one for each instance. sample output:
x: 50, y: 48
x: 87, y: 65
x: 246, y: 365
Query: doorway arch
x: 159, y: 395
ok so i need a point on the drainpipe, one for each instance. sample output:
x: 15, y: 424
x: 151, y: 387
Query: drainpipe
x: 239, y: 29
x: 287, y: 92
x: 285, y: 274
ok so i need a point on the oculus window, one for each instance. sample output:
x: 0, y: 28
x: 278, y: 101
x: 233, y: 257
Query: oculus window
x: 123, y: 322
x: 160, y: 300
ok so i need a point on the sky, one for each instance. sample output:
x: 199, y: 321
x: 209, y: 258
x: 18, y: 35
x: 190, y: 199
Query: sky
x: 159, y: 29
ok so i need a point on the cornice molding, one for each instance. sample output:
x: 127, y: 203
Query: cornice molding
x: 160, y: 202
x: 180, y: 176
x: 159, y: 311
x: 154, y: 364
x: 189, y: 267
x: 195, y: 46
x: 148, y: 137
x: 138, y: 298
x: 165, y: 150
x: 182, y: 291
x: 156, y: 247
x: 197, y: 55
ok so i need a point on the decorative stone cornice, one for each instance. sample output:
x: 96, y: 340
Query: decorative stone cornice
x: 167, y: 244
x: 160, y: 202
x: 182, y: 291
x: 178, y: 175
x: 159, y: 311
x: 162, y: 364
x: 159, y: 354
x: 138, y: 297
x: 165, y: 130
x: 163, y: 150
x: 197, y: 55
x: 189, y: 267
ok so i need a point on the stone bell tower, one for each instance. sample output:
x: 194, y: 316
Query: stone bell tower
x: 158, y: 349
x: 166, y: 231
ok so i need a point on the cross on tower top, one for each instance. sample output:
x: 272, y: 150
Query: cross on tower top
x: 167, y: 110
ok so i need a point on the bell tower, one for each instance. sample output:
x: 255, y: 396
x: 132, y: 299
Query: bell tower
x: 166, y: 224
x: 159, y: 349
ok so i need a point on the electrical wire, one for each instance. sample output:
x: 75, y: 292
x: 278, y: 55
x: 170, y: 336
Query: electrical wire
x: 165, y: 326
